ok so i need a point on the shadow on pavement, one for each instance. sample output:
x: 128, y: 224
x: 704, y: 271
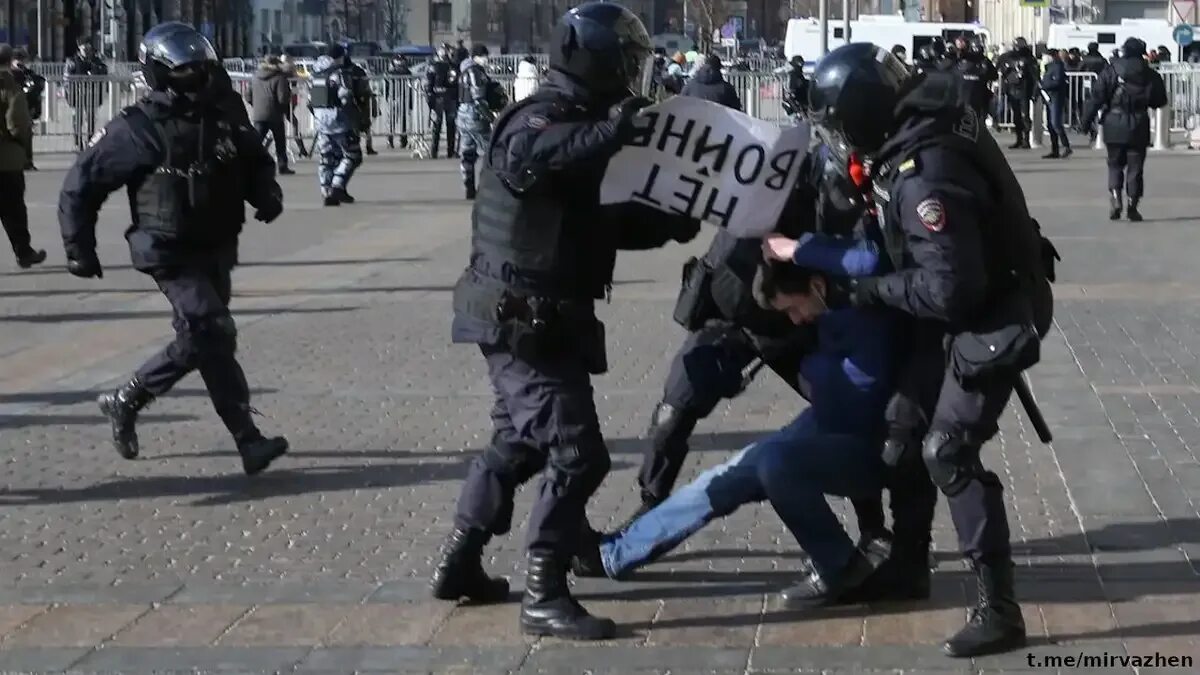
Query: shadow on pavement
x: 26, y: 421
x: 165, y: 313
x: 88, y: 396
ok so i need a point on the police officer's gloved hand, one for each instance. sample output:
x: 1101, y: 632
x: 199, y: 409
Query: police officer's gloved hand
x: 85, y: 265
x: 685, y: 229
x: 864, y: 291
x: 624, y: 112
x: 269, y: 212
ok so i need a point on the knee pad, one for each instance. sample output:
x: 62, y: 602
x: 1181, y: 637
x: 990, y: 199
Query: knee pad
x: 513, y: 463
x: 670, y: 425
x: 580, y: 467
x: 952, y: 462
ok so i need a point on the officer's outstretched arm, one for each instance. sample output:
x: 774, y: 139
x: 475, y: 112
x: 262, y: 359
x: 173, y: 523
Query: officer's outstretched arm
x: 124, y: 152
x: 944, y: 236
x: 538, y: 143
x: 264, y: 190
x: 642, y: 228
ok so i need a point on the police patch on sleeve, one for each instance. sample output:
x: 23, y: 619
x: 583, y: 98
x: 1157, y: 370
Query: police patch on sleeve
x: 538, y: 122
x: 97, y: 136
x: 932, y: 214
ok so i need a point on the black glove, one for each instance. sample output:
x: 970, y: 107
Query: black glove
x: 686, y: 229
x: 864, y: 292
x: 85, y: 265
x: 624, y: 112
x: 268, y: 212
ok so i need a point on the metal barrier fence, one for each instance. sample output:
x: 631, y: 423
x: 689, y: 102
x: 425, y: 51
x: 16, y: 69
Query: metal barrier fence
x: 72, y: 111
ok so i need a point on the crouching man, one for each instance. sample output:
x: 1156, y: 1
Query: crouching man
x: 832, y: 448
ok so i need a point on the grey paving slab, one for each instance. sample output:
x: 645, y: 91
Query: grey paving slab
x: 89, y: 594
x: 37, y: 660
x: 415, y: 659
x: 623, y: 658
x: 204, y: 659
x: 261, y: 592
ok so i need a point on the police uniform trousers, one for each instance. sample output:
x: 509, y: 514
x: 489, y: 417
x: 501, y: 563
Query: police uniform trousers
x: 544, y: 419
x: 13, y: 214
x: 340, y: 154
x: 443, y: 109
x: 205, y: 340
x: 472, y: 138
x: 1019, y: 106
x: 1126, y: 164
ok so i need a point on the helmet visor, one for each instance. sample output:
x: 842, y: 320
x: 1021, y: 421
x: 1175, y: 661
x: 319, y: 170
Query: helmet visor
x: 642, y: 75
x: 177, y: 49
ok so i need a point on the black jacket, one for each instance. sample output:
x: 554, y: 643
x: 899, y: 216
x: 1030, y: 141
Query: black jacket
x: 1054, y: 80
x: 1122, y: 94
x: 1093, y: 62
x: 710, y: 85
x: 1019, y: 73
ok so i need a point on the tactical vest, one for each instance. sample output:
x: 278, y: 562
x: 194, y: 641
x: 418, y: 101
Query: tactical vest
x: 323, y: 91
x: 196, y: 194
x: 520, y: 237
x: 1014, y: 247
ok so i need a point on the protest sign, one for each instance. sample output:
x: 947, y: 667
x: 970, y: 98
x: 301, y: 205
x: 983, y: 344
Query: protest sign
x: 707, y: 161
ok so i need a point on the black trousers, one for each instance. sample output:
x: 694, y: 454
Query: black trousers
x: 443, y: 109
x: 13, y: 213
x: 1126, y: 166
x: 544, y: 422
x: 278, y: 131
x: 1019, y: 105
x: 205, y: 340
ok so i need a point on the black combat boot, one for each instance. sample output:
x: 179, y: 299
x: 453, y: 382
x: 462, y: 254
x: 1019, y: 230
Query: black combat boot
x: 904, y: 576
x: 587, y: 561
x: 121, y: 407
x: 549, y: 609
x: 460, y: 573
x: 1133, y: 214
x: 30, y: 258
x: 342, y: 196
x: 258, y: 451
x: 815, y: 591
x: 1115, y: 205
x: 331, y: 199
x: 995, y: 624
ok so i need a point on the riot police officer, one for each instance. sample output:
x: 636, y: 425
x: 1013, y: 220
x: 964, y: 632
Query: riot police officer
x: 542, y: 252
x: 972, y: 273
x: 441, y: 93
x: 188, y: 168
x: 729, y: 331
x: 1019, y: 73
x: 334, y: 101
x: 1125, y: 90
x: 480, y: 99
x: 979, y: 74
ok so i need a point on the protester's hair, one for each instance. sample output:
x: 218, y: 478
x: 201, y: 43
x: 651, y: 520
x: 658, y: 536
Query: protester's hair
x: 6, y: 53
x: 774, y: 278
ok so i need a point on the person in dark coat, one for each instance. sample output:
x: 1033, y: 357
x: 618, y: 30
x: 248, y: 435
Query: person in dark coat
x: 1125, y: 91
x: 1093, y: 61
x: 1054, y: 83
x: 270, y: 100
x: 709, y: 84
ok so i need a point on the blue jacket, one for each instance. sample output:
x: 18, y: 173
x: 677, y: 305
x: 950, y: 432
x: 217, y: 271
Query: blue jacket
x: 851, y: 372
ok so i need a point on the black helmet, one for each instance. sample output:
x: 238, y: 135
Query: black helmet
x: 176, y: 56
x: 853, y: 94
x: 603, y: 45
x: 1133, y: 47
x: 1020, y: 44
x: 975, y: 45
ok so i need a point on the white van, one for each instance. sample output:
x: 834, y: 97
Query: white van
x: 1153, y: 32
x: 804, y: 35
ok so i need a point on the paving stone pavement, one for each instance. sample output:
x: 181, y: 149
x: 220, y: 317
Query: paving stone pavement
x: 177, y: 562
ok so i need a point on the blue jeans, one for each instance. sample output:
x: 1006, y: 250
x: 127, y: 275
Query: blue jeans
x: 1058, y: 133
x: 793, y: 468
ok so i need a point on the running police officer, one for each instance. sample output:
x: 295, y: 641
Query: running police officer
x: 1019, y: 73
x: 480, y: 99
x: 542, y: 252
x: 188, y: 170
x: 1124, y: 91
x: 972, y: 274
x: 441, y: 93
x: 334, y: 101
x: 729, y: 331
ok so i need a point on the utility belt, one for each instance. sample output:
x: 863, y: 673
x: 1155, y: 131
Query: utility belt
x: 1005, y: 341
x: 534, y: 328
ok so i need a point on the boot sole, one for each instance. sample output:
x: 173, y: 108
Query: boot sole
x: 445, y: 591
x: 261, y: 465
x: 605, y: 631
x: 1007, y: 645
x: 106, y: 407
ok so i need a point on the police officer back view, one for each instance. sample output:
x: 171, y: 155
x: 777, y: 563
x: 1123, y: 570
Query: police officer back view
x: 1019, y: 71
x: 334, y: 97
x: 542, y: 252
x: 978, y: 283
x: 188, y: 170
x: 441, y: 93
x: 481, y: 98
x: 1124, y: 91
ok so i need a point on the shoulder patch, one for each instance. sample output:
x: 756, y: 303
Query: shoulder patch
x: 907, y: 165
x: 932, y: 214
x: 538, y: 122
x: 98, y: 135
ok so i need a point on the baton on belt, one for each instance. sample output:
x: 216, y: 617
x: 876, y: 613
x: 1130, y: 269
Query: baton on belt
x: 1029, y: 403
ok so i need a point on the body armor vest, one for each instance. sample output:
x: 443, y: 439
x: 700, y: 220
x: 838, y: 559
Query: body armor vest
x: 519, y: 236
x: 323, y: 92
x: 196, y: 194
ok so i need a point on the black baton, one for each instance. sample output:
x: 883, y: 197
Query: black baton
x: 1032, y: 411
